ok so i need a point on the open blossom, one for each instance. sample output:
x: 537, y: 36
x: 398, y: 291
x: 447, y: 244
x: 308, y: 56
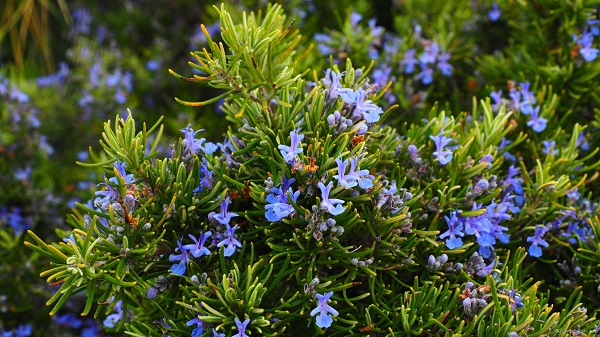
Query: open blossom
x: 537, y: 123
x: 443, y: 156
x: 369, y: 111
x: 494, y: 14
x: 230, y: 241
x: 224, y: 216
x: 353, y: 177
x: 333, y: 206
x: 537, y: 241
x: 183, y: 258
x: 199, y: 329
x: 119, y: 168
x: 241, y: 326
x: 454, y: 232
x: 289, y: 153
x: 409, y: 61
x: 197, y: 248
x: 324, y: 311
x: 332, y: 81
x: 190, y: 145
x: 279, y: 206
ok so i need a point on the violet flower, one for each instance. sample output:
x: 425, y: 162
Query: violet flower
x: 333, y: 206
x: 324, y: 311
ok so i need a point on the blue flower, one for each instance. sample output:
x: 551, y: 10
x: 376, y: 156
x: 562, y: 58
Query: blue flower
x: 355, y: 18
x: 454, y: 232
x: 426, y: 75
x: 511, y: 183
x: 586, y: 51
x: 111, y: 320
x: 324, y: 311
x: 332, y: 81
x: 224, y: 217
x: 514, y: 300
x: 443, y: 156
x: 190, y: 145
x: 241, y: 326
x: 409, y: 61
x: 443, y: 65
x: 362, y: 106
x: 199, y: 329
x: 216, y: 334
x: 197, y: 249
x: 494, y: 14
x: 119, y: 168
x: 289, y: 153
x: 333, y: 206
x: 497, y: 97
x: 14, y: 219
x: 538, y: 124
x: 205, y: 178
x: 183, y: 258
x: 279, y: 206
x: 430, y: 54
x: 549, y: 147
x: 341, y: 176
x: 537, y: 241
x: 230, y: 241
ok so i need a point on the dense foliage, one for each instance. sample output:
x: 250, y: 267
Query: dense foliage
x: 411, y: 167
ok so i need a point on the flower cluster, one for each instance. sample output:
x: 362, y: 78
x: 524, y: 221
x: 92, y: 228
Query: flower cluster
x: 584, y: 43
x: 524, y: 101
x: 430, y: 59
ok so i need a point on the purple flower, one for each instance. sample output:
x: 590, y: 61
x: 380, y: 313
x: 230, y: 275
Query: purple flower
x: 365, y: 108
x: 106, y: 195
x: 587, y: 52
x: 183, y: 258
x: 205, y: 178
x: 538, y: 124
x: 514, y: 300
x: 22, y: 174
x: 216, y: 334
x: 332, y: 81
x: 199, y: 329
x: 154, y: 64
x: 497, y: 97
x: 413, y: 151
x: 426, y: 75
x: 230, y: 241
x: 333, y: 206
x: 430, y: 54
x: 279, y: 206
x: 494, y: 14
x: 537, y: 241
x: 289, y: 153
x: 582, y: 142
x: 455, y: 229
x: 190, y: 145
x: 409, y: 61
x: 355, y: 19
x: 224, y: 217
x: 549, y: 145
x: 197, y: 248
x: 119, y: 168
x: 111, y: 320
x: 443, y: 65
x: 323, y: 309
x: 443, y: 157
x: 241, y: 326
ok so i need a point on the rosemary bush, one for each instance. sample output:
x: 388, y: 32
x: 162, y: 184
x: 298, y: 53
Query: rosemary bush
x: 344, y: 199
